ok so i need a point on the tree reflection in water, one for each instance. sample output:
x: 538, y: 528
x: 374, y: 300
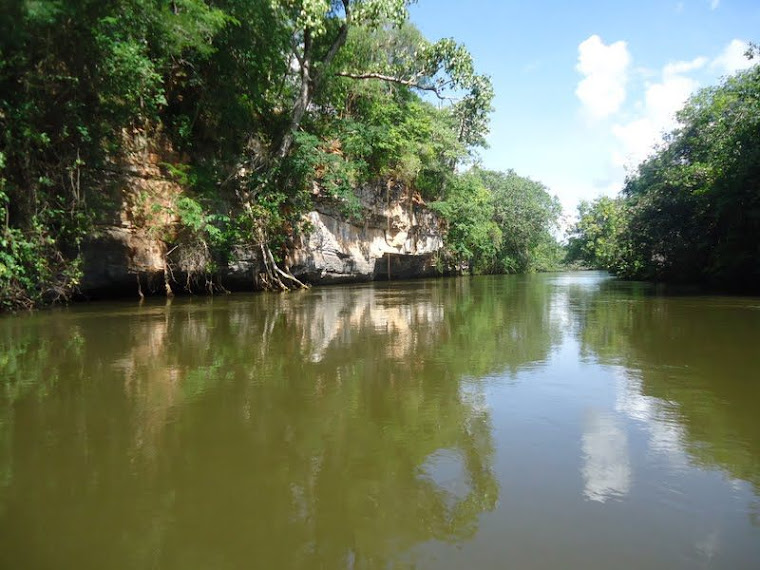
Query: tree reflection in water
x: 351, y: 427
x: 299, y: 431
x: 686, y: 369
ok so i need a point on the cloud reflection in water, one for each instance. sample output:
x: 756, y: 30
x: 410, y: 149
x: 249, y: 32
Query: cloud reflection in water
x: 606, y: 463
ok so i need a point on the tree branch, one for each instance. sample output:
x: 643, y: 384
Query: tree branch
x: 340, y: 39
x: 415, y: 82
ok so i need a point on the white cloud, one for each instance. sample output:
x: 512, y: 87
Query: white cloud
x: 732, y: 58
x: 714, y: 4
x: 636, y: 139
x: 655, y: 113
x: 605, y: 69
x: 678, y: 67
x: 662, y: 100
x: 640, y: 103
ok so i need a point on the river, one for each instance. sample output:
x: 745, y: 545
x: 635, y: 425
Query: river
x: 546, y: 421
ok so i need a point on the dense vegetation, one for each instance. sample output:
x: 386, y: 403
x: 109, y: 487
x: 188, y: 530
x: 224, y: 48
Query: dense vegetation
x: 261, y: 101
x: 501, y: 222
x: 691, y: 211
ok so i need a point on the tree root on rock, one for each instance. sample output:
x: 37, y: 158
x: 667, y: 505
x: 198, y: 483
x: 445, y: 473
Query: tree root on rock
x: 272, y: 277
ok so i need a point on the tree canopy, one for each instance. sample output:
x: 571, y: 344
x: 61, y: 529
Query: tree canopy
x: 501, y: 222
x: 690, y: 213
x: 594, y: 239
x: 263, y: 103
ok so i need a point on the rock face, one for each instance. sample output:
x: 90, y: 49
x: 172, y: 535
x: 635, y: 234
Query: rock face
x: 396, y: 238
x: 120, y: 261
x: 127, y: 249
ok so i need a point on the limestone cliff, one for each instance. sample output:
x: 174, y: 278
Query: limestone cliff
x: 127, y: 253
x: 395, y: 237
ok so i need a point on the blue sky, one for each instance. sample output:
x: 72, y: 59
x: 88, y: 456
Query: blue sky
x: 585, y: 88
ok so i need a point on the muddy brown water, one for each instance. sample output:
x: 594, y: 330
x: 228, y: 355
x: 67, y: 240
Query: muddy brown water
x: 547, y: 421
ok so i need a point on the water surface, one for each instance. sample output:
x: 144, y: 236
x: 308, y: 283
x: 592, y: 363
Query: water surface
x: 552, y: 421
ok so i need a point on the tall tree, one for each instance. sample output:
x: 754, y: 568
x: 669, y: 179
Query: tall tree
x: 500, y: 222
x: 595, y: 238
x: 695, y: 205
x: 318, y: 30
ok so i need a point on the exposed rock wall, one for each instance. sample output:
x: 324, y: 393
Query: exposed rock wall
x: 128, y: 248
x: 122, y: 260
x: 396, y: 237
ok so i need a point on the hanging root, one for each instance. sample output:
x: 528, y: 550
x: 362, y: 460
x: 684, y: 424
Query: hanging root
x: 272, y: 277
x: 286, y: 274
x: 167, y: 285
x: 168, y: 273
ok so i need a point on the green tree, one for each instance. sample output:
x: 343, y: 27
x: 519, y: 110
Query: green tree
x: 74, y: 78
x: 595, y: 238
x: 527, y: 216
x: 501, y: 222
x: 472, y: 237
x: 260, y: 103
x: 695, y: 205
x: 318, y: 30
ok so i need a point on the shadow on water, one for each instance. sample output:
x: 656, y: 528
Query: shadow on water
x: 691, y: 362
x: 294, y: 431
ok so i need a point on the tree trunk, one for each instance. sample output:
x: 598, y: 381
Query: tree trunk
x: 309, y: 83
x: 299, y: 110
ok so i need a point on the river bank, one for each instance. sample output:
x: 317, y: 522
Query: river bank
x: 394, y: 237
